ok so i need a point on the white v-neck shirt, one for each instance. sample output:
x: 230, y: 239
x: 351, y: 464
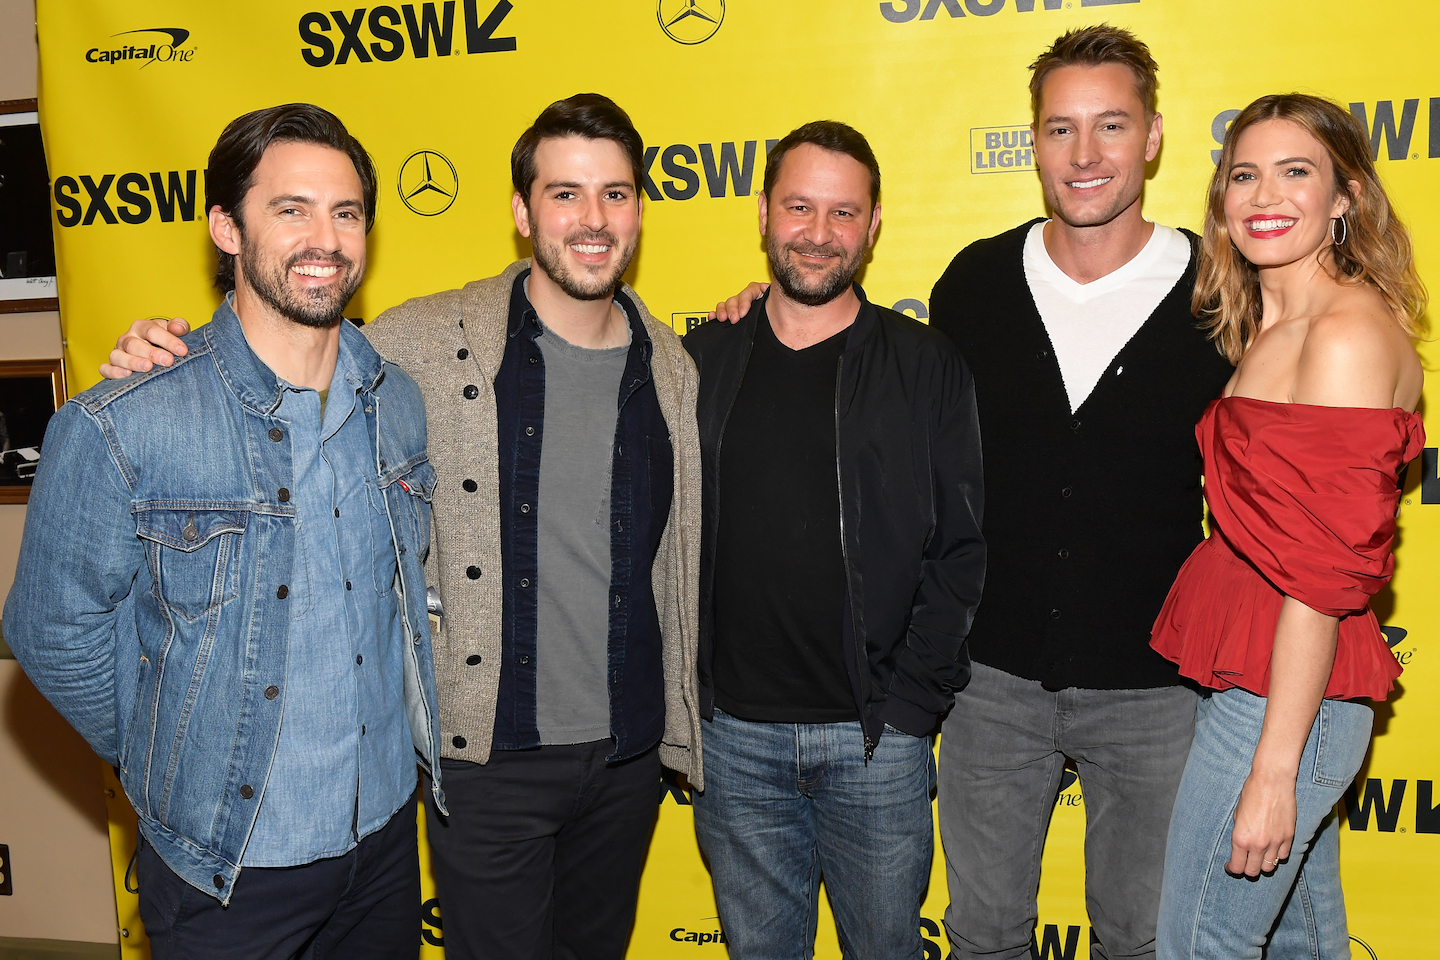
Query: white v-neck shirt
x: 1089, y: 323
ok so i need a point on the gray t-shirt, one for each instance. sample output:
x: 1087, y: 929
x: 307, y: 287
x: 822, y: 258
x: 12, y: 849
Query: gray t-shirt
x: 582, y: 391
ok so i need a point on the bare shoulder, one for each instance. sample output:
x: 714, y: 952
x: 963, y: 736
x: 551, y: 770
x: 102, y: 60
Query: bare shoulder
x: 1356, y: 354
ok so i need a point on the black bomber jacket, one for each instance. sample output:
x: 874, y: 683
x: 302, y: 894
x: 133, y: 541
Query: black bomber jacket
x: 910, y: 485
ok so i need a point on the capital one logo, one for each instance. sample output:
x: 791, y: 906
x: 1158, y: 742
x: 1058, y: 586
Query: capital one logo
x: 150, y: 45
x: 690, y: 21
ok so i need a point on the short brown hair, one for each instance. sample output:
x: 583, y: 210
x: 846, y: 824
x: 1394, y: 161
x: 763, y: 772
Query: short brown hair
x: 588, y: 115
x: 1376, y: 248
x: 1094, y: 47
x: 829, y: 135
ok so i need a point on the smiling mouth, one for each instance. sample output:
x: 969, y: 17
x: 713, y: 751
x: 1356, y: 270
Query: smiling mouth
x: 308, y: 270
x: 1088, y: 184
x: 590, y: 248
x: 1274, y: 223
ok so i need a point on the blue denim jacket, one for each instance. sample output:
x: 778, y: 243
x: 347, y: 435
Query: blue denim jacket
x: 149, y: 603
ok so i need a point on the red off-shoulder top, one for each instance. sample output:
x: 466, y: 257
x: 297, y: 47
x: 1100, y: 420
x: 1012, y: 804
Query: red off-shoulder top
x: 1303, y: 500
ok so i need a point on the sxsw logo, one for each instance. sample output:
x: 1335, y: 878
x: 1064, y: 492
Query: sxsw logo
x: 385, y: 33
x: 903, y: 11
x: 154, y: 45
x: 1393, y: 131
x: 136, y: 197
x: 724, y: 165
x: 1001, y: 149
x: 1372, y: 802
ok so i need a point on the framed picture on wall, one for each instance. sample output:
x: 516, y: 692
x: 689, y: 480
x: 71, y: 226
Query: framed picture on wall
x: 27, y: 242
x: 30, y: 393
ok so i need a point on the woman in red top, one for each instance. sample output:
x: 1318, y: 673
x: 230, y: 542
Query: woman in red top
x: 1306, y: 283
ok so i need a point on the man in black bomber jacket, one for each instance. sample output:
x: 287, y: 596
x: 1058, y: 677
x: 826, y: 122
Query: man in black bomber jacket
x: 842, y: 562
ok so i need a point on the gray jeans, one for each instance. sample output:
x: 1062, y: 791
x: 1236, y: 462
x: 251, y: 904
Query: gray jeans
x: 1002, y: 753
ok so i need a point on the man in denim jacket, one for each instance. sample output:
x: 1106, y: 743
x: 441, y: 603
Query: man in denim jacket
x: 220, y: 584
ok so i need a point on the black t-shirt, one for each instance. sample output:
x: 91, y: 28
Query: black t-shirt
x: 779, y: 569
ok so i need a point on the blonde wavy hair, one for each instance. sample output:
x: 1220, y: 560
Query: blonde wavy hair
x: 1376, y: 248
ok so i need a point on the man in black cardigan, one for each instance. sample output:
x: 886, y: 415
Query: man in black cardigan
x: 1090, y: 374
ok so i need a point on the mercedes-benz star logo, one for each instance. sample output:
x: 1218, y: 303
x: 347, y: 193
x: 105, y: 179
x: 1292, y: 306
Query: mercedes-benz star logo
x: 428, y: 183
x: 690, y: 21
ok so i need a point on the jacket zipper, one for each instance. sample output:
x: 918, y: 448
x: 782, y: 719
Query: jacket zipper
x: 861, y: 666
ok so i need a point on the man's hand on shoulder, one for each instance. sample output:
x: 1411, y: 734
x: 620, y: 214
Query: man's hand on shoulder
x: 145, y: 344
x: 733, y: 309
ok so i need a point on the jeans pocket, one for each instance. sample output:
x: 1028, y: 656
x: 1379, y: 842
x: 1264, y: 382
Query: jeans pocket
x: 1343, y: 731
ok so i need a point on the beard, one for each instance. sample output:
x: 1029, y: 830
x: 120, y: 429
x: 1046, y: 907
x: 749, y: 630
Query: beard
x: 591, y: 284
x: 318, y: 307
x: 1078, y: 218
x: 803, y: 287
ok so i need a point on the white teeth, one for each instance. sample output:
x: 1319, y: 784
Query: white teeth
x: 1081, y: 185
x: 589, y: 247
x: 1276, y: 224
x: 308, y: 271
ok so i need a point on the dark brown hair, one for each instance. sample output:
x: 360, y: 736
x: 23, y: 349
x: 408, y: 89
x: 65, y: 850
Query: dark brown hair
x: 828, y: 135
x: 1094, y: 47
x: 231, y: 171
x: 1376, y: 248
x: 588, y: 115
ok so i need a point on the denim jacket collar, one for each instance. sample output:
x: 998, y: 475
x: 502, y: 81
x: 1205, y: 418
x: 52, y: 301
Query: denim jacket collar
x: 254, y: 384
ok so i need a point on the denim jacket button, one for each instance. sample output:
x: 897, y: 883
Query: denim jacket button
x: 271, y: 692
x: 219, y: 882
x: 282, y: 592
x: 524, y: 581
x: 277, y: 434
x: 529, y: 431
x: 524, y: 508
x: 284, y: 495
x: 247, y: 791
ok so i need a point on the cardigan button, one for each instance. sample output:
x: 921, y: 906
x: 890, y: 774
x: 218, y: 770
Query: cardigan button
x: 473, y: 660
x: 461, y: 354
x: 471, y: 391
x: 473, y: 572
x: 459, y: 742
x: 470, y: 486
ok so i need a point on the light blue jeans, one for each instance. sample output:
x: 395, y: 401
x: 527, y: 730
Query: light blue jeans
x: 1299, y: 910
x: 787, y: 803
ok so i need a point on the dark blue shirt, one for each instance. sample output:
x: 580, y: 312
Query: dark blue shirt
x: 642, y: 481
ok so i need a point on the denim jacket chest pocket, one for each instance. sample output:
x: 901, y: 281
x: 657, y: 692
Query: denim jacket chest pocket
x: 408, y: 489
x: 192, y: 554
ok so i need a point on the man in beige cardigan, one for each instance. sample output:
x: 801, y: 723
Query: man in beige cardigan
x: 565, y: 552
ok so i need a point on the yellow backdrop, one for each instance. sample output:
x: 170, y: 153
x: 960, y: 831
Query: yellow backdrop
x: 135, y: 93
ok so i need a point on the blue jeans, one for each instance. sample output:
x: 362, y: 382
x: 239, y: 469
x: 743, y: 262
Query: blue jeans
x: 1299, y: 910
x: 786, y: 804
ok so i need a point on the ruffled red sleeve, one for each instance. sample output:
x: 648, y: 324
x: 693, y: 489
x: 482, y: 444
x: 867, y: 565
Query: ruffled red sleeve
x: 1304, y: 500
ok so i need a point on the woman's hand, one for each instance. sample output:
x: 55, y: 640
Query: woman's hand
x: 1264, y: 824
